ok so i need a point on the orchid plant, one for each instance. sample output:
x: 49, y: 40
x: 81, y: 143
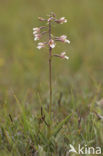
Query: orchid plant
x: 39, y: 32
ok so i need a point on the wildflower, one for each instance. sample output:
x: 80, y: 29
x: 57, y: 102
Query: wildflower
x: 37, y: 37
x: 41, y: 19
x: 51, y: 18
x: 62, y: 55
x: 51, y: 43
x: 61, y: 20
x: 36, y: 30
x: 41, y: 45
x: 63, y: 38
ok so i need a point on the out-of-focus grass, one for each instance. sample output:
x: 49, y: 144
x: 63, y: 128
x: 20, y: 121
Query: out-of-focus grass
x: 24, y: 69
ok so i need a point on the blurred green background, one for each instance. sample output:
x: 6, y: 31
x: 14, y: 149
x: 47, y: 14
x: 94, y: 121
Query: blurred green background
x: 24, y: 69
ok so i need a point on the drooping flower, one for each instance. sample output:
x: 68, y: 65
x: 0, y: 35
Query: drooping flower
x: 63, y: 38
x: 36, y: 30
x: 41, y: 45
x: 63, y: 55
x: 41, y: 19
x: 51, y: 43
x: 37, y: 36
x: 61, y: 20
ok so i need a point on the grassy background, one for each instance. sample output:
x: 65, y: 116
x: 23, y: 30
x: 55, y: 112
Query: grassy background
x: 24, y: 69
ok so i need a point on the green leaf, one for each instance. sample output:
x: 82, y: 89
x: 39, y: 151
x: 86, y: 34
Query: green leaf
x: 47, y: 116
x: 59, y: 126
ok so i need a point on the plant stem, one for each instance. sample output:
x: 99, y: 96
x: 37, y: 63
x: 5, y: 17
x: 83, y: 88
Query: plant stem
x: 50, y: 74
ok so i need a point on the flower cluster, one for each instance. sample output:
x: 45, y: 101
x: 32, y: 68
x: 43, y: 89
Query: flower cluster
x: 38, y: 34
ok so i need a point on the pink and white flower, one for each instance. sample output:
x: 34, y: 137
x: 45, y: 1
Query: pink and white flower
x: 52, y: 43
x: 61, y: 20
x: 36, y: 30
x: 63, y: 38
x: 41, y: 19
x: 37, y: 37
x: 63, y: 55
x: 51, y: 18
x: 41, y: 45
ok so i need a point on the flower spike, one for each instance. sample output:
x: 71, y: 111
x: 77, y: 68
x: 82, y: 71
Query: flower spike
x: 50, y: 42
